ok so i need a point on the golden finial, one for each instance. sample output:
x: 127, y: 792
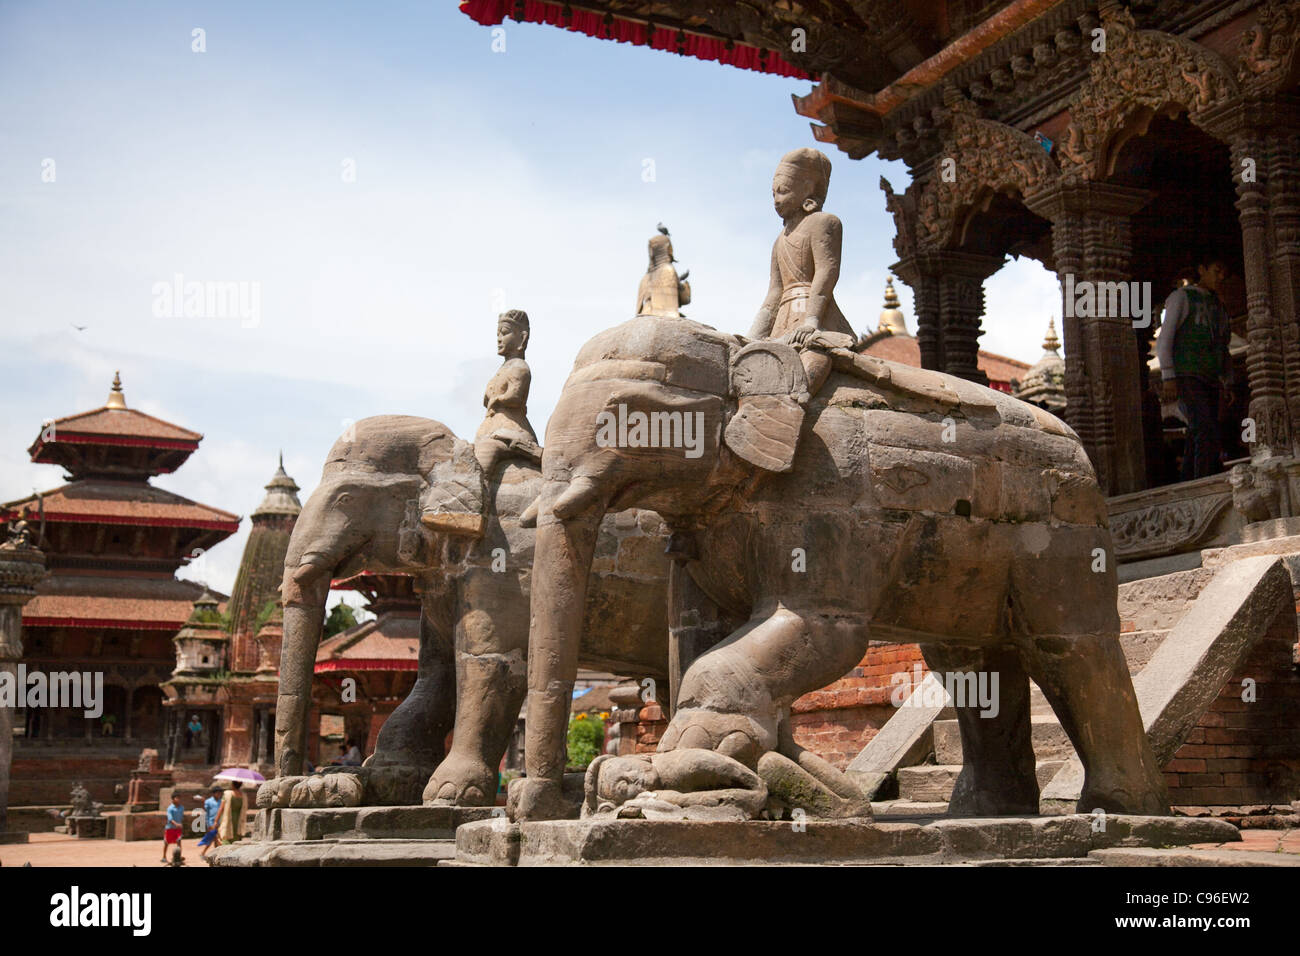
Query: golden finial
x: 1051, y: 343
x: 115, y: 397
x: 891, y: 318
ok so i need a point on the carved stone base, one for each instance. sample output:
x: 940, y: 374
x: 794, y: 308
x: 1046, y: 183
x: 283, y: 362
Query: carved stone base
x: 14, y: 837
x: 662, y: 842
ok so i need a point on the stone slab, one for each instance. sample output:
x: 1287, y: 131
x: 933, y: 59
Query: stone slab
x: 605, y: 841
x: 14, y: 837
x: 904, y: 739
x: 1150, y: 856
x: 361, y: 823
x: 334, y: 853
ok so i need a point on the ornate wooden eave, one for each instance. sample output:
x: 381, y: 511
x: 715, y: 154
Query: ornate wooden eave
x: 865, y: 42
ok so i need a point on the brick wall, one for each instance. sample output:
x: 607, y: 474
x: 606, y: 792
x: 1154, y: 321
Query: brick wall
x: 1246, y: 753
x: 47, y: 779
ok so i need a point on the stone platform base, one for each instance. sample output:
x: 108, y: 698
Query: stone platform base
x: 14, y: 837
x: 354, y: 836
x: 844, y: 842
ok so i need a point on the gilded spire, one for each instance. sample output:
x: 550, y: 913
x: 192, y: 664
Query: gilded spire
x: 115, y: 397
x: 891, y: 317
x: 1051, y: 343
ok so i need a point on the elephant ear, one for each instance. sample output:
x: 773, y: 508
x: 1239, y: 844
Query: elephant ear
x: 771, y: 388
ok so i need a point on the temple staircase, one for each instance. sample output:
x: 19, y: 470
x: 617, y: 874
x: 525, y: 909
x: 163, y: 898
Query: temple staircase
x: 1184, y: 635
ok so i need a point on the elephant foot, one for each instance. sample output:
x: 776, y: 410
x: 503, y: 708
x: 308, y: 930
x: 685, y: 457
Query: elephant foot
x: 1145, y: 802
x: 461, y: 781
x: 532, y: 798
x: 792, y: 787
x: 344, y: 787
x: 1014, y: 798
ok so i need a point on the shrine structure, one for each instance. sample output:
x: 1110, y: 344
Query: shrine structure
x: 111, y: 603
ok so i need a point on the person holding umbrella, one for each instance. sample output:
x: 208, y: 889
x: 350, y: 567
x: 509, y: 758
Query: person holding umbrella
x: 230, y: 815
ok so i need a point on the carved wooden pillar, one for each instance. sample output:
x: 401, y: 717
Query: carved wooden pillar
x: 961, y: 304
x: 1092, y: 235
x: 948, y: 294
x: 1282, y: 253
x: 921, y: 273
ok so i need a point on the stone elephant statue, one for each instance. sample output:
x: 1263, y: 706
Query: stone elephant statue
x: 897, y: 504
x: 364, y: 516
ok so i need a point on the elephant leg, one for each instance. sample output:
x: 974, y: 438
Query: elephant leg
x: 1067, y: 620
x: 414, y: 735
x: 491, y: 681
x: 998, y: 766
x: 1086, y: 680
x: 731, y: 696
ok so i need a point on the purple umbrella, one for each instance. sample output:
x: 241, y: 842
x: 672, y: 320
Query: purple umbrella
x: 240, y: 774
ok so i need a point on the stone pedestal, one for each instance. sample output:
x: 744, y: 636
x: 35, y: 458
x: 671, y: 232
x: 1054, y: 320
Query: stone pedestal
x: 21, y: 566
x: 1067, y: 840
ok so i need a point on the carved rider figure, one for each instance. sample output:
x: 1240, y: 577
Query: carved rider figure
x: 805, y: 263
x: 456, y: 499
x: 662, y: 291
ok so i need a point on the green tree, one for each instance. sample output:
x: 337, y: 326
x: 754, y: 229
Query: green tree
x: 341, y: 617
x: 585, y: 739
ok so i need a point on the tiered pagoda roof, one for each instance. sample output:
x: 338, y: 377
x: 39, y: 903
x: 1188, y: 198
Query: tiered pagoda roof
x: 113, y: 540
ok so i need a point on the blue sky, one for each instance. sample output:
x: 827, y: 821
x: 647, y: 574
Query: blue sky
x: 482, y: 180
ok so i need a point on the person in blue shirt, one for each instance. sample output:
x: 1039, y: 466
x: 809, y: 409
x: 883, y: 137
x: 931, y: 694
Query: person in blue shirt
x: 175, y: 827
x: 210, y: 808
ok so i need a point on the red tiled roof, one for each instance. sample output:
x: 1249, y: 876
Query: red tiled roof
x: 126, y: 503
x: 905, y: 350
x: 122, y: 422
x: 76, y: 600
x: 389, y: 643
x: 698, y: 45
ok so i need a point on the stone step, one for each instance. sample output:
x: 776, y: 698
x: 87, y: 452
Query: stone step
x: 359, y: 823
x: 335, y: 853
x: 1050, y: 741
x: 1182, y: 856
x: 1155, y: 604
x: 931, y: 784
x: 928, y: 783
x: 612, y: 842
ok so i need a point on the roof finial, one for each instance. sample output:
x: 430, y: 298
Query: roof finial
x: 115, y: 397
x: 1051, y: 343
x: 891, y: 317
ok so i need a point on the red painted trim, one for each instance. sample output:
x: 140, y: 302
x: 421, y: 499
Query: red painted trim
x: 103, y: 622
x: 492, y: 12
x: 126, y: 441
x: 54, y: 517
x: 366, y: 664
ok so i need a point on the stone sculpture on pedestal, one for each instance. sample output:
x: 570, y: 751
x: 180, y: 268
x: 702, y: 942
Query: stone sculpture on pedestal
x: 890, y: 503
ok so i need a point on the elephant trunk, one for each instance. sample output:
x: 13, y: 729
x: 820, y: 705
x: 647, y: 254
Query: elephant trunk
x: 304, y: 620
x: 561, y: 563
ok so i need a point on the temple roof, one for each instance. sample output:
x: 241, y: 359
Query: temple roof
x: 92, y: 442
x: 104, y: 501
x: 905, y: 350
x: 390, y: 642
x: 88, y: 600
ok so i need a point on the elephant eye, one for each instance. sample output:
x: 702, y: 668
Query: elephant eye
x: 343, y: 498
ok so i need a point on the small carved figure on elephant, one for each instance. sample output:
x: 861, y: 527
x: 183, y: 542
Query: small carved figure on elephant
x: 978, y: 546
